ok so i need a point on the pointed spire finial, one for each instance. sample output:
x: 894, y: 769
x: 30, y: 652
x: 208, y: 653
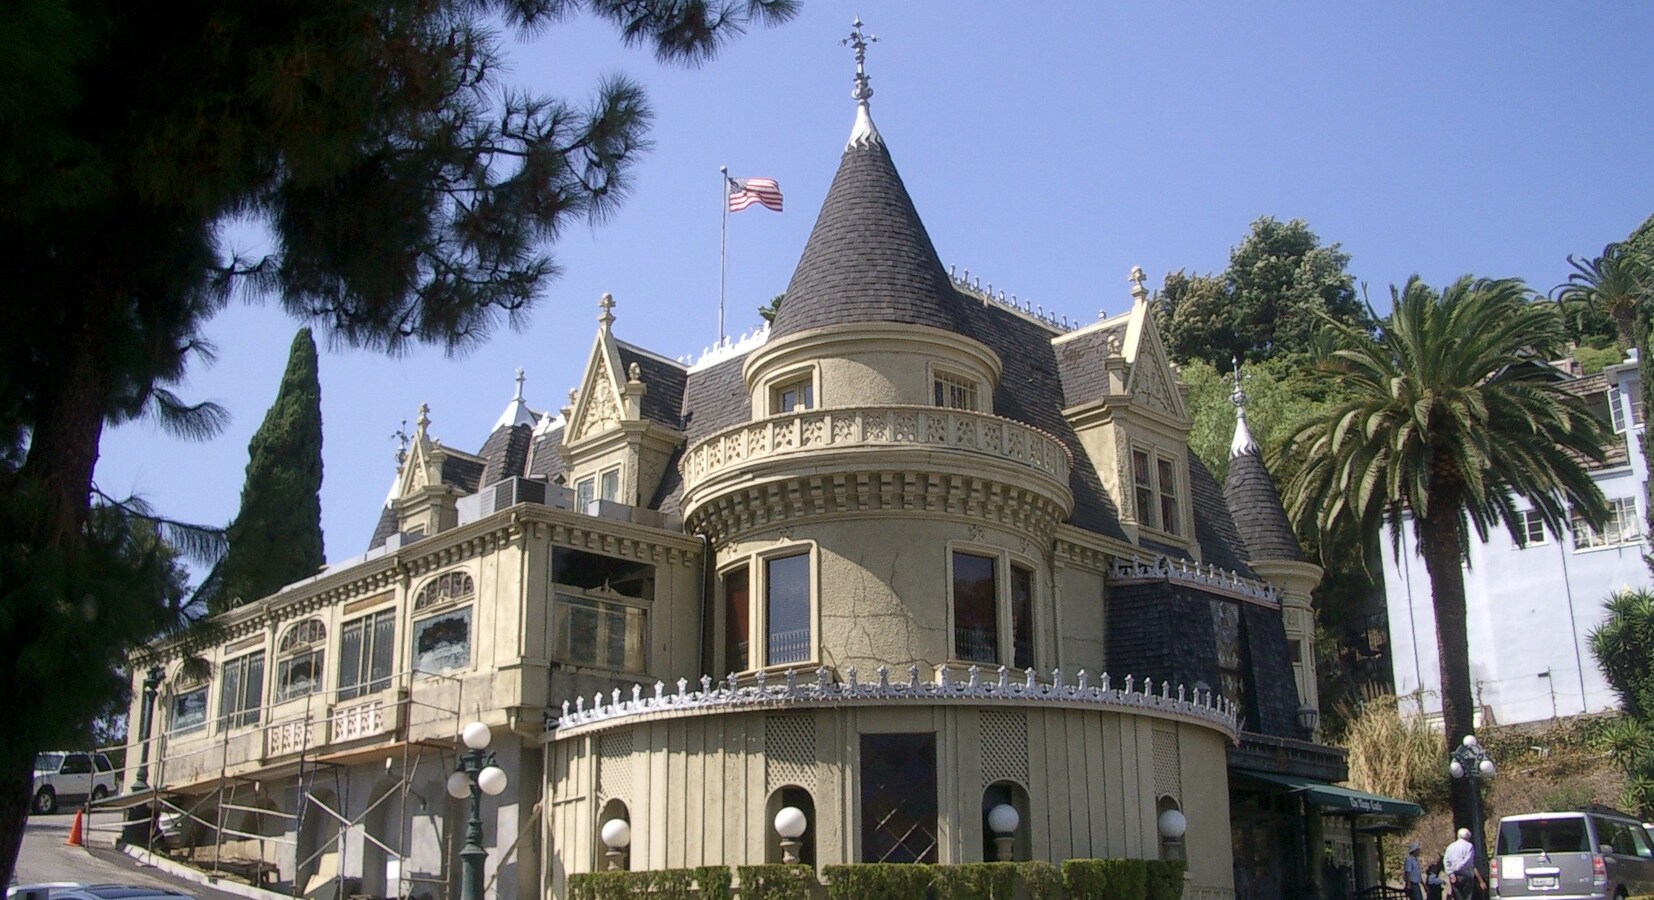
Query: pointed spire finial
x: 1242, y: 442
x: 607, y: 316
x: 424, y: 419
x: 1138, y: 291
x: 857, y: 41
x: 521, y: 377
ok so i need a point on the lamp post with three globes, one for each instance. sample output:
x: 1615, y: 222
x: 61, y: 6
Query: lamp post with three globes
x: 475, y: 775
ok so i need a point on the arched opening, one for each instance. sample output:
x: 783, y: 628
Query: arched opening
x: 617, y: 857
x: 382, y: 824
x: 1169, y: 828
x: 800, y: 799
x: 1006, y: 793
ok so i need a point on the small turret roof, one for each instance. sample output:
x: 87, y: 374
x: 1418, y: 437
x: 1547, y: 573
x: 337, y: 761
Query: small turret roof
x: 1254, y: 504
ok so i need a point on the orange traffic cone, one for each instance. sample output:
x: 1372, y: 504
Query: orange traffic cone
x: 77, y: 835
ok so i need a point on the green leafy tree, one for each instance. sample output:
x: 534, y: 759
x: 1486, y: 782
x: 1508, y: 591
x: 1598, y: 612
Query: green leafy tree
x: 1268, y: 302
x: 1623, y: 645
x: 411, y: 199
x: 1450, y: 421
x: 276, y: 539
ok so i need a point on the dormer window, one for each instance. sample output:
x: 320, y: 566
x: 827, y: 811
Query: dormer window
x: 602, y: 486
x: 793, y: 395
x: 951, y: 391
x: 1155, y: 488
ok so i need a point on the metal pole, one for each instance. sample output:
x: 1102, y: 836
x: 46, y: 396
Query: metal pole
x: 723, y: 248
x: 146, y: 721
x: 472, y: 855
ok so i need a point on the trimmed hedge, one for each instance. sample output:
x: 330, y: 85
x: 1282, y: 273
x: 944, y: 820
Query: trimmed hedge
x: 777, y: 882
x: 1165, y: 879
x: 704, y: 883
x: 976, y: 881
x: 879, y: 881
x: 1043, y: 880
x: 1106, y: 879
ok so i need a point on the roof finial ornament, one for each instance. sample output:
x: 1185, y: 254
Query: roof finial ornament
x: 521, y: 377
x: 863, y: 134
x: 1138, y: 291
x: 1242, y: 442
x: 402, y: 437
x: 607, y: 316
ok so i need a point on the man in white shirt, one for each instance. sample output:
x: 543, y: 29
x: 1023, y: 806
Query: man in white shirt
x: 1413, y: 873
x: 1459, y: 859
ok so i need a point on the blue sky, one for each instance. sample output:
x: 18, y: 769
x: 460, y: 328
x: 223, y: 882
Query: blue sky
x: 1049, y: 148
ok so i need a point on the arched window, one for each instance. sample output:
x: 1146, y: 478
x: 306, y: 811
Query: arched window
x: 442, y: 640
x: 799, y: 799
x: 443, y: 588
x: 299, y: 657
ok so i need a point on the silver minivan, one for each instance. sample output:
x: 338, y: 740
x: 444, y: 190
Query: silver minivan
x: 1572, y: 856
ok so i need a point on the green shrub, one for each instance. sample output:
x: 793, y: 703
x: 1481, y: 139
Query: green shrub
x: 879, y: 881
x: 976, y: 881
x: 706, y: 883
x: 1105, y: 879
x: 1164, y: 879
x: 776, y: 882
x: 1042, y: 879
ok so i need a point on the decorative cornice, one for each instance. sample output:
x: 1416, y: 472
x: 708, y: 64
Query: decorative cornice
x: 732, y: 695
x: 1181, y: 571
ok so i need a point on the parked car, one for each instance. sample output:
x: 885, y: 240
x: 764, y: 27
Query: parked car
x: 1596, y: 853
x: 70, y: 777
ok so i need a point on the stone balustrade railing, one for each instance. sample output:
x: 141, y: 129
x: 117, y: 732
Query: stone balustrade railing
x: 760, y: 691
x: 876, y: 427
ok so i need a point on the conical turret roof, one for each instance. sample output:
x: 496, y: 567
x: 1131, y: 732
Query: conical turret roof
x: 869, y: 258
x: 1254, y: 504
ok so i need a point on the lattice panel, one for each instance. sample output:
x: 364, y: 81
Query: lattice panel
x: 614, y: 767
x: 1168, y: 766
x: 789, y: 751
x: 1004, y: 747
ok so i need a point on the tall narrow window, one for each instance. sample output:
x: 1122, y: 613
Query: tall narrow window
x: 975, y: 608
x: 241, y: 690
x: 1143, y: 481
x: 787, y: 609
x: 610, y: 487
x: 1022, y: 617
x: 1167, y: 483
x: 737, y: 619
x: 299, y: 666
x: 585, y: 491
x: 367, y: 651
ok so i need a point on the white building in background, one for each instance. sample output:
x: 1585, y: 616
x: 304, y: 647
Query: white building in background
x: 1531, y: 604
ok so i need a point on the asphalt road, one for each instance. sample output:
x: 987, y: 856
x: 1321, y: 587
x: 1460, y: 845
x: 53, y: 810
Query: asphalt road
x: 46, y: 857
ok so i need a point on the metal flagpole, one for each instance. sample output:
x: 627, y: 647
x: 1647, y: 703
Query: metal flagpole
x: 723, y: 248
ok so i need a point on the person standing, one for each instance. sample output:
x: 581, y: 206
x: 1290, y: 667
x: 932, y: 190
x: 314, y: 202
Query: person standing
x: 1412, y: 874
x: 1460, y: 862
x: 1433, y: 880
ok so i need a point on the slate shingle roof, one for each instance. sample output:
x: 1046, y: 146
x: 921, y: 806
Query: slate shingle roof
x: 663, y: 401
x: 869, y: 258
x: 714, y: 398
x: 545, y: 462
x: 1080, y: 359
x: 1256, y: 506
x: 505, y: 453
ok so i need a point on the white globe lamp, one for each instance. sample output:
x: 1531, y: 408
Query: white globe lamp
x: 492, y: 780
x: 1173, y: 824
x: 1003, y: 819
x: 459, y: 786
x: 790, y: 823
x: 616, y: 835
x: 476, y: 736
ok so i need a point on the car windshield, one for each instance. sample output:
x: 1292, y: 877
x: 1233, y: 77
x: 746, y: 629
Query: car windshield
x: 1562, y: 835
x: 47, y: 762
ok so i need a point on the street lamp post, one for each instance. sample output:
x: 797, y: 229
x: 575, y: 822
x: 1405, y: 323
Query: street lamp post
x: 1472, y: 763
x: 475, y: 775
x: 146, y: 720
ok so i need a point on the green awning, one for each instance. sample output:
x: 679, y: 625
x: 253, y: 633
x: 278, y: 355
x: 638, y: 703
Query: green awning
x: 1337, y: 800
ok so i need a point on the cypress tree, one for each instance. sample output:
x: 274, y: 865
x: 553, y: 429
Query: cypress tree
x: 276, y: 539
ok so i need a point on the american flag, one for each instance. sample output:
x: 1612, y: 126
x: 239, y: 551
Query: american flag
x: 744, y: 192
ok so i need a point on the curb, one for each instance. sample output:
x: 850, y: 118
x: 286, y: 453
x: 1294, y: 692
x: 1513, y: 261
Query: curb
x: 190, y: 873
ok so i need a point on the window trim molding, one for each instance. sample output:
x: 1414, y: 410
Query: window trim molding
x: 936, y: 372
x: 1005, y: 629
x: 758, y: 605
x: 1180, y: 477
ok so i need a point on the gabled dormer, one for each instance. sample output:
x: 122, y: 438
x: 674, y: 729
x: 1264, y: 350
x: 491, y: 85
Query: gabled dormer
x: 619, y: 438
x: 1122, y: 399
x: 430, y: 482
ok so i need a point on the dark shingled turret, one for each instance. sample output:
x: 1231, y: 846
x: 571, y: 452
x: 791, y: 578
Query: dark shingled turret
x: 869, y: 258
x: 1254, y: 504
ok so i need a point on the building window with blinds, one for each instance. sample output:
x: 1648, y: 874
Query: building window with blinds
x: 367, y: 654
x: 241, y: 690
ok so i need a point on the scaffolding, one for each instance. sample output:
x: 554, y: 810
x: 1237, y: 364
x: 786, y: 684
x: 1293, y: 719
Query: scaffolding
x: 319, y: 771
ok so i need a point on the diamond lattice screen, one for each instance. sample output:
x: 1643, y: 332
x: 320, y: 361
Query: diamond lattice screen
x: 614, y: 767
x: 1168, y: 769
x: 1004, y: 747
x: 789, y: 751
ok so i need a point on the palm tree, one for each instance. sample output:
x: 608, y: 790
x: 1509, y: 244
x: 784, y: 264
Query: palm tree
x: 1617, y: 283
x: 1453, y: 415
